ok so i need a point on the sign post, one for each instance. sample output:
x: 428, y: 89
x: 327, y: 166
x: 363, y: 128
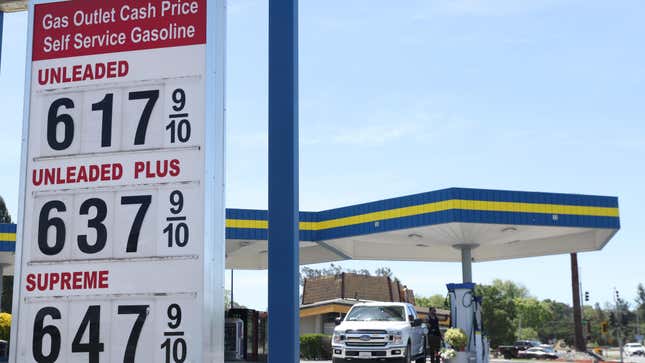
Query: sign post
x: 283, y: 183
x: 121, y: 241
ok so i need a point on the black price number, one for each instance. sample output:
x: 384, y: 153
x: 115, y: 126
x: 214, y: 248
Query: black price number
x: 56, y: 117
x: 179, y: 126
x: 99, y: 209
x: 91, y: 324
x: 93, y: 347
x: 175, y: 345
x: 177, y: 229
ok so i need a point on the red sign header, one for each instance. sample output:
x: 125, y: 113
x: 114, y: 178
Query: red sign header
x: 80, y: 27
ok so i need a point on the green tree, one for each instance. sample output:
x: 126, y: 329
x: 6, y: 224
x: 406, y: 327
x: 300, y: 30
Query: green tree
x: 498, y: 313
x: 511, y: 289
x: 532, y: 312
x: 640, y: 305
x: 593, y: 318
x: 436, y: 300
x: 527, y: 334
x: 624, y: 320
x: 7, y: 294
x: 332, y: 270
x: 561, y: 324
x: 5, y: 217
x: 383, y: 271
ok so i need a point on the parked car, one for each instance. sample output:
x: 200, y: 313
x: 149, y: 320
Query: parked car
x: 511, y: 351
x: 634, y: 349
x: 376, y: 331
x: 538, y: 353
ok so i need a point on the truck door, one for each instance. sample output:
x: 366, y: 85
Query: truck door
x: 416, y: 333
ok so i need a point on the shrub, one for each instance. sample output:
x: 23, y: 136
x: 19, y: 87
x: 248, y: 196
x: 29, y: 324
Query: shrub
x: 5, y: 326
x: 456, y: 338
x: 315, y: 346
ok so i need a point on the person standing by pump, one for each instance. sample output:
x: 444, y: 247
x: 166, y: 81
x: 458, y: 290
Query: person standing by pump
x: 434, y: 336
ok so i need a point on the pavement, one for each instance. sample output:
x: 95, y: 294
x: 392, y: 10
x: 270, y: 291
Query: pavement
x: 626, y: 360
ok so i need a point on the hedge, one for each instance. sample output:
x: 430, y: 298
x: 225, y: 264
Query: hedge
x: 315, y: 346
x: 5, y: 326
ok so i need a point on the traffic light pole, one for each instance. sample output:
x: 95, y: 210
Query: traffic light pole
x: 619, y: 327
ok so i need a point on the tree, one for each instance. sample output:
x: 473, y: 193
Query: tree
x: 383, y: 271
x: 593, y: 318
x: 436, y: 301
x: 527, y: 334
x: 5, y: 217
x: 640, y: 303
x: 559, y: 328
x: 7, y: 294
x: 227, y: 301
x: 511, y: 289
x: 533, y: 313
x: 498, y: 313
x: 333, y: 270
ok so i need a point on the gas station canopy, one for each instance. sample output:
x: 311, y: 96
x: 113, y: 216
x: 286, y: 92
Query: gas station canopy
x: 436, y: 226
x: 432, y: 226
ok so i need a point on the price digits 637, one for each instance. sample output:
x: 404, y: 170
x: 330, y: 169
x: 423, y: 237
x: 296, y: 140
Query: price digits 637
x: 176, y: 229
x: 178, y: 127
x: 174, y: 345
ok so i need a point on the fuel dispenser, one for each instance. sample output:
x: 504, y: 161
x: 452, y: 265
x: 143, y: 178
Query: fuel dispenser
x: 466, y: 314
x: 234, y: 339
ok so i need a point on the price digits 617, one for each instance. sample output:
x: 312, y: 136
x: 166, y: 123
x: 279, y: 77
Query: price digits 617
x: 178, y: 126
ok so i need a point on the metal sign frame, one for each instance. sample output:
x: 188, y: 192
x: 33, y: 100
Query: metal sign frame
x: 213, y: 252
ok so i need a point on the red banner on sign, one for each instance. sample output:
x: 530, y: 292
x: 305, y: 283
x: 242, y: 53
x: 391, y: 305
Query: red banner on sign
x: 79, y: 27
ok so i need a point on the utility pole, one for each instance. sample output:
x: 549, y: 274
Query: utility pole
x: 619, y: 322
x: 579, y: 340
x: 232, y: 289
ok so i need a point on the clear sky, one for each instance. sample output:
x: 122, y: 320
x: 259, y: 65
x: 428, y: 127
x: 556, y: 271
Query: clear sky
x: 402, y: 97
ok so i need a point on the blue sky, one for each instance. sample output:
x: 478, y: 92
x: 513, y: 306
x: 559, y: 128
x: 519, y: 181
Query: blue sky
x: 402, y: 97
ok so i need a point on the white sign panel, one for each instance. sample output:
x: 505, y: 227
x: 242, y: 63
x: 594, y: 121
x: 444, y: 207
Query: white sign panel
x: 122, y: 229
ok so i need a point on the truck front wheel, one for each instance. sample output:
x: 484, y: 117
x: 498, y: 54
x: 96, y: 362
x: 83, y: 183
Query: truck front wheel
x: 422, y: 359
x: 408, y: 354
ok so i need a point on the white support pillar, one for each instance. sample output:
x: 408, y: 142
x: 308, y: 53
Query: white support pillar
x: 2, y: 286
x: 466, y: 260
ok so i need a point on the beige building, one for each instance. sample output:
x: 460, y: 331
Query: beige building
x: 326, y: 298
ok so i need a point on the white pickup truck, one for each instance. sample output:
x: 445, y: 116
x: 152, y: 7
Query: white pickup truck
x: 380, y: 331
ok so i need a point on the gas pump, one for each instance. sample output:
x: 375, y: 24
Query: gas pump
x: 466, y: 314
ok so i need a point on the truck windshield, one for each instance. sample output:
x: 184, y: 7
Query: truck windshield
x: 376, y: 313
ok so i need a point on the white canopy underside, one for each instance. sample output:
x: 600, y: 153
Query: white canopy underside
x: 433, y: 244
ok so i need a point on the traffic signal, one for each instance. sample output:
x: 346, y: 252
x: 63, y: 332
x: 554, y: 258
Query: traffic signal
x: 586, y: 295
x: 612, y: 319
x: 604, y: 327
x: 624, y: 319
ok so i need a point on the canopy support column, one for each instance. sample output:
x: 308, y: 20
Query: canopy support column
x: 466, y: 260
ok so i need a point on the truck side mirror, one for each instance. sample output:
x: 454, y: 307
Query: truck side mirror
x: 417, y: 322
x: 338, y: 320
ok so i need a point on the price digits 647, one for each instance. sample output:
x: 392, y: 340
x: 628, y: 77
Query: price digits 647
x: 173, y: 346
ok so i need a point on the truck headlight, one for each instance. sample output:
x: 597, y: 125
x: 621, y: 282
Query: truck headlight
x: 338, y: 337
x: 397, y: 337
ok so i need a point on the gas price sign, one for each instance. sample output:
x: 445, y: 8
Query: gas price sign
x: 121, y: 234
